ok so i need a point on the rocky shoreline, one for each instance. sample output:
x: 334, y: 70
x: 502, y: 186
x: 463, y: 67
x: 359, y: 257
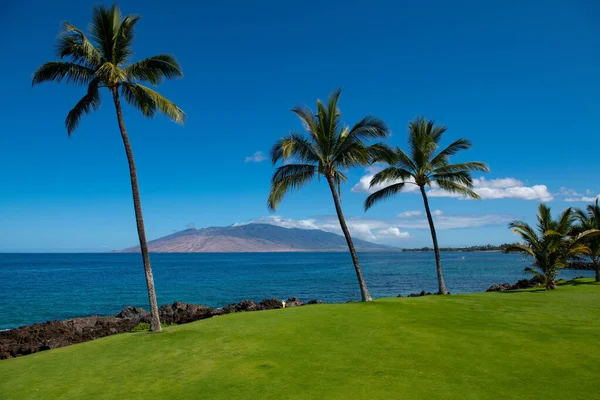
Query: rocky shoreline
x: 580, y: 265
x: 54, y: 334
x: 521, y: 284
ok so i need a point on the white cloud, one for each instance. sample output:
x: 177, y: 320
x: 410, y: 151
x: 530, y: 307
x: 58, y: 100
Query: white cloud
x: 588, y: 192
x: 445, y: 222
x: 393, y: 231
x: 363, y: 185
x: 374, y: 229
x: 256, y: 157
x: 568, y: 192
x: 503, y: 188
x: 408, y: 214
x: 584, y: 199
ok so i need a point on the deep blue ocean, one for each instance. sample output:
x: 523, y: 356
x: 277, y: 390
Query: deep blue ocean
x: 41, y: 287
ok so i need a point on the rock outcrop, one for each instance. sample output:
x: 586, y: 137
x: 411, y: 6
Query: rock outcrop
x: 521, y: 284
x: 53, y: 334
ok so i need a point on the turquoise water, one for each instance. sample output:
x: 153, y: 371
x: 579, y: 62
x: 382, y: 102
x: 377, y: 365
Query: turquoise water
x: 40, y: 287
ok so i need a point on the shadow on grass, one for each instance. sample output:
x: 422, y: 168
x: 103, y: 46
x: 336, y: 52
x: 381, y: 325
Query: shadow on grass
x: 541, y: 289
x: 578, y: 282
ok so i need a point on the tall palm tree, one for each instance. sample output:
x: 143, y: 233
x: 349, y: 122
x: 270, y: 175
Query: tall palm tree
x: 424, y: 168
x: 551, y: 246
x: 103, y: 62
x: 329, y: 149
x: 590, y: 219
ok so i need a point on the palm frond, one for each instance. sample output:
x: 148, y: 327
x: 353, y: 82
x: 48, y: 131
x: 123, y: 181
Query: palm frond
x: 104, y: 29
x: 461, y: 177
x: 149, y: 102
x: 565, y: 221
x: 436, y: 132
x: 532, y: 271
x: 390, y: 175
x: 74, y: 44
x: 383, y: 194
x: 287, y: 178
x: 519, y: 248
x: 368, y: 128
x: 308, y: 120
x: 468, y: 166
x: 352, y: 155
x: 154, y: 69
x: 454, y: 187
x: 381, y: 152
x: 122, y: 50
x: 442, y: 157
x: 577, y: 250
x: 544, y: 218
x: 56, y: 71
x: 91, y: 101
x: 295, y: 147
x: 525, y: 231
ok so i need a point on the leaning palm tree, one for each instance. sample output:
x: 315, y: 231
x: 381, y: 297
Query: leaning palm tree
x: 551, y: 246
x: 590, y: 219
x: 102, y: 62
x: 424, y: 168
x: 328, y: 150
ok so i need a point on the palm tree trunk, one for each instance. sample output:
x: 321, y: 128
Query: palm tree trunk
x: 139, y: 219
x: 597, y: 269
x: 364, y: 292
x: 436, y: 249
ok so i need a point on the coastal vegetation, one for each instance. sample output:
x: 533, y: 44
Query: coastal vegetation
x: 103, y: 62
x: 552, y: 245
x: 590, y: 219
x: 480, y: 345
x: 486, y: 247
x: 424, y: 168
x: 328, y: 149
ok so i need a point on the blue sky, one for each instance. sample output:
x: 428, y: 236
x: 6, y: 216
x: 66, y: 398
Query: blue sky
x: 520, y: 79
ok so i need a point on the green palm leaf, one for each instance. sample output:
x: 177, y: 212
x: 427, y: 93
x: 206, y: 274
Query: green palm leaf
x: 287, y: 178
x: 74, y: 44
x: 154, y: 69
x: 384, y: 193
x: 57, y: 71
x: 149, y: 102
x: 91, y: 101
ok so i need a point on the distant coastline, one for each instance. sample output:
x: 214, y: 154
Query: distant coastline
x: 472, y: 249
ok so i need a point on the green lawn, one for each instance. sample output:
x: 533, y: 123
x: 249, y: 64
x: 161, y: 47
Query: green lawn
x: 530, y: 344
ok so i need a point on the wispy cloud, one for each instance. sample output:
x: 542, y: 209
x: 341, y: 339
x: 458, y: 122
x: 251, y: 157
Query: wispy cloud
x: 393, y: 231
x: 568, y: 192
x: 408, y: 214
x: 374, y: 229
x: 572, y: 196
x: 259, y: 156
x: 503, y: 188
x: 582, y: 199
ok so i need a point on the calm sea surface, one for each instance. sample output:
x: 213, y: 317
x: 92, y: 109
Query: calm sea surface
x: 40, y: 287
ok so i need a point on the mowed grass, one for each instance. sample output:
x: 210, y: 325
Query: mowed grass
x: 530, y: 344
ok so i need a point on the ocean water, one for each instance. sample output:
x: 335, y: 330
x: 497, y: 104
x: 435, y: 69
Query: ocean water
x: 41, y: 287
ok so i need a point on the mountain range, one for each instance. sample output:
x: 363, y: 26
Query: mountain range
x: 254, y: 238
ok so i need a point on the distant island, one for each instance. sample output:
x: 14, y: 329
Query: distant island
x: 254, y: 238
x: 487, y: 247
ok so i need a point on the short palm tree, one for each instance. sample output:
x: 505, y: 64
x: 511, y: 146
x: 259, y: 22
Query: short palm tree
x: 587, y: 220
x: 551, y: 246
x: 329, y: 149
x: 102, y: 62
x: 424, y: 168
